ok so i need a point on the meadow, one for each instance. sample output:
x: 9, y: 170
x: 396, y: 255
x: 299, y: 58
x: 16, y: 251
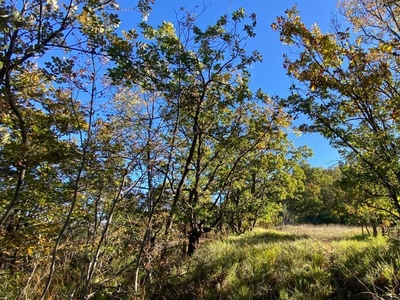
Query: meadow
x: 293, y: 262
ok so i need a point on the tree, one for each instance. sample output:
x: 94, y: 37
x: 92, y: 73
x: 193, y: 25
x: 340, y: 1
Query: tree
x: 323, y: 200
x: 51, y: 79
x: 215, y: 122
x: 37, y: 107
x: 367, y: 202
x: 264, y: 180
x: 349, y: 86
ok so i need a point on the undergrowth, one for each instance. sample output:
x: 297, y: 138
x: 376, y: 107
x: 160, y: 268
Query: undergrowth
x: 294, y: 262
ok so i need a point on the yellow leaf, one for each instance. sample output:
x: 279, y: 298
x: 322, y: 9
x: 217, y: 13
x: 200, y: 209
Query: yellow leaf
x: 313, y: 88
x: 385, y: 47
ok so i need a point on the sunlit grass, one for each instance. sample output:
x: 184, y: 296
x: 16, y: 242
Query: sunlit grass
x: 295, y: 262
x: 323, y: 232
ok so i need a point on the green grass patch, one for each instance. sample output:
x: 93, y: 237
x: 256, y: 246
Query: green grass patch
x: 290, y: 264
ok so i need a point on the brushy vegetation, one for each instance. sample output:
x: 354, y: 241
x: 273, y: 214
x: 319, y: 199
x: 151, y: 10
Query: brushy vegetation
x: 293, y: 263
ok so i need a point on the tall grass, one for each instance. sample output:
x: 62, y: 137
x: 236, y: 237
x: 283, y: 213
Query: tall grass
x: 293, y: 263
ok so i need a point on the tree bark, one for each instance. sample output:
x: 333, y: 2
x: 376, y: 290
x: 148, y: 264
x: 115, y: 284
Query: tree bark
x: 194, y: 238
x: 374, y: 229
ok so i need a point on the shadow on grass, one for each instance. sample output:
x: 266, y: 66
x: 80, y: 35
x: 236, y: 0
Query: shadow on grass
x: 215, y: 273
x: 266, y: 238
x: 358, y: 237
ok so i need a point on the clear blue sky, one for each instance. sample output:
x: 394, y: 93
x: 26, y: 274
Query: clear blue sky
x: 268, y: 75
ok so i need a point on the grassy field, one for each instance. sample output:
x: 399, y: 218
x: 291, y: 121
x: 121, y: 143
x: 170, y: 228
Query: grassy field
x: 323, y: 232
x: 294, y: 262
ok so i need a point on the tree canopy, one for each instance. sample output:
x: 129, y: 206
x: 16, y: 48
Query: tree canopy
x: 346, y: 82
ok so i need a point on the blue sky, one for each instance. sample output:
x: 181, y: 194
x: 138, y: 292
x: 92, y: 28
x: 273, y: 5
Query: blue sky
x: 268, y: 75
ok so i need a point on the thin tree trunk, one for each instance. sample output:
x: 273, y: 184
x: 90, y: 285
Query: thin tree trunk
x: 21, y: 164
x: 95, y: 259
x: 85, y: 147
x: 366, y: 228
x: 152, y: 205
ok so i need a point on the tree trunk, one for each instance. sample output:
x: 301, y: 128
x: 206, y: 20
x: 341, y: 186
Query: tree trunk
x: 366, y: 228
x: 185, y: 245
x: 374, y: 229
x: 194, y: 238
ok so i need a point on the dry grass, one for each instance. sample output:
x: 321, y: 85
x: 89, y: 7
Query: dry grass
x: 323, y: 232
